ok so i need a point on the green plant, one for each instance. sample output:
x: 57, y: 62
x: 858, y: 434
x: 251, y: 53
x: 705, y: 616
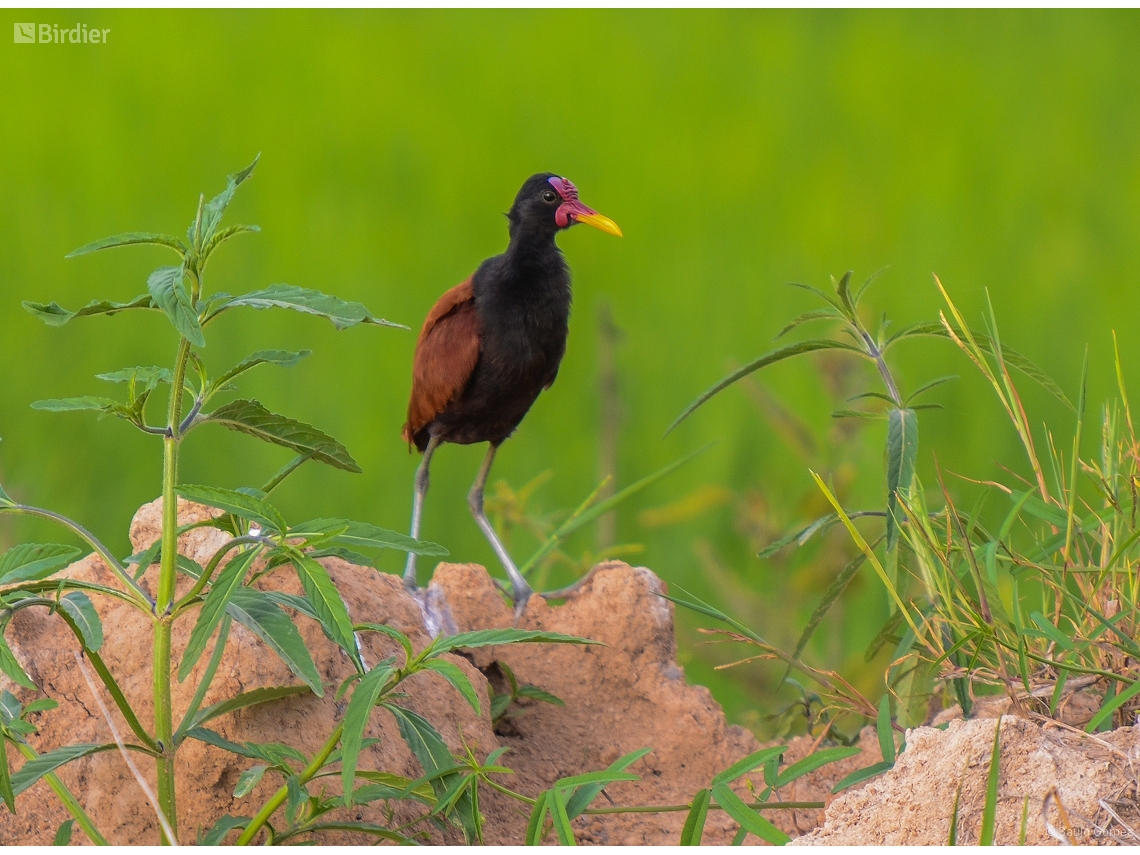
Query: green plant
x: 503, y: 705
x: 261, y: 541
x: 1039, y: 600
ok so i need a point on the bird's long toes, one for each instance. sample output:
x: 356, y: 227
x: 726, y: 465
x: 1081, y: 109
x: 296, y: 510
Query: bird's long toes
x: 521, y: 600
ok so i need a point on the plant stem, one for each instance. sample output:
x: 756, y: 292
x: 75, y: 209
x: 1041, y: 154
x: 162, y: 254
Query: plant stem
x: 69, y: 801
x: 657, y: 808
x: 279, y: 797
x: 164, y: 621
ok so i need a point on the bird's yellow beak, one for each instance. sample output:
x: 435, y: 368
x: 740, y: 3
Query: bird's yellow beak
x: 599, y: 221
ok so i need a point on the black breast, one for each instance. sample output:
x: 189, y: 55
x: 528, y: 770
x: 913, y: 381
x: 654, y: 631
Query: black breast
x: 524, y: 312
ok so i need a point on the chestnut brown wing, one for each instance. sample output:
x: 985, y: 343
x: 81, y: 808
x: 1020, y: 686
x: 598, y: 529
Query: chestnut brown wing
x: 446, y: 353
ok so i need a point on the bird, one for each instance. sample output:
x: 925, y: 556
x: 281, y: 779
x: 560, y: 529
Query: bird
x: 491, y: 344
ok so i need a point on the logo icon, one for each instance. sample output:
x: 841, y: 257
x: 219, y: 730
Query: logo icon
x: 25, y: 34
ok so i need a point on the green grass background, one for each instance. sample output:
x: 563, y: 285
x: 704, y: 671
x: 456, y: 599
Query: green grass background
x: 738, y: 150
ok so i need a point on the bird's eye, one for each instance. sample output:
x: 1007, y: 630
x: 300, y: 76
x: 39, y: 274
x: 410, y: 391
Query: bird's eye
x: 549, y: 196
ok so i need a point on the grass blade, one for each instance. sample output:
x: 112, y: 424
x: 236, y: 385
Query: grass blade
x: 583, y: 516
x: 989, y: 809
x: 1111, y: 705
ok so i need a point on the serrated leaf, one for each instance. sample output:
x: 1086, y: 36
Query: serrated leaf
x: 249, y: 779
x: 695, y: 821
x: 356, y: 715
x: 902, y: 452
x: 365, y: 535
x: 767, y: 359
x: 494, y: 637
x: 55, y: 315
x: 214, y: 607
x: 295, y: 798
x: 537, y: 694
x: 247, y: 699
x: 11, y: 668
x: 212, y: 212
x: 169, y: 293
x: 242, y: 504
x: 129, y: 239
x: 80, y: 613
x: 148, y: 375
x: 292, y: 601
x: 435, y: 758
x: 342, y: 313
x: 204, y: 734
x: 499, y: 705
x: 357, y: 558
x: 284, y: 358
x: 425, y: 743
x: 454, y: 675
x: 35, y: 769
x: 327, y: 603
x: 260, y: 614
x: 42, y: 705
x: 30, y: 561
x: 107, y: 406
x: 225, y: 234
x: 222, y: 827
x: 749, y: 819
x: 251, y: 417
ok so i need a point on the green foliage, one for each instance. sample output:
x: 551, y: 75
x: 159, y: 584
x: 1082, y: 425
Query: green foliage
x: 1025, y: 602
x: 993, y: 779
x: 221, y: 591
x: 503, y: 705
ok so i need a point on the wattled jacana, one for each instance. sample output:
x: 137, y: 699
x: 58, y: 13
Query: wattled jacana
x: 492, y: 343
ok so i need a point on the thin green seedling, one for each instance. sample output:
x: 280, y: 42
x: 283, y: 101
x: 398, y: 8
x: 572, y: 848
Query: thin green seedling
x: 993, y: 781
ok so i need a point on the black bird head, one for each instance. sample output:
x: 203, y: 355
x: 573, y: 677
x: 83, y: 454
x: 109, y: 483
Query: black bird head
x: 548, y: 203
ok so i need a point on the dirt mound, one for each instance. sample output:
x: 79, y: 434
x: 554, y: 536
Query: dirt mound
x: 1084, y: 786
x: 619, y: 698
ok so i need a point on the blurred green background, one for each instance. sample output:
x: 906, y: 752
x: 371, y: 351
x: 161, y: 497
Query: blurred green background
x: 738, y: 150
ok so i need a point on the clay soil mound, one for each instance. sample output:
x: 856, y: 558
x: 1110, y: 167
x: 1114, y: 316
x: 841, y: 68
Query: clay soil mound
x: 627, y: 695
x: 1071, y: 787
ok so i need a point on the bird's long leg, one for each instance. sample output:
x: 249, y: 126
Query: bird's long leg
x: 520, y: 590
x: 417, y: 510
